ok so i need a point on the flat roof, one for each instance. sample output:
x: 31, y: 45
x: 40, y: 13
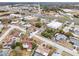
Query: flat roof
x: 54, y: 24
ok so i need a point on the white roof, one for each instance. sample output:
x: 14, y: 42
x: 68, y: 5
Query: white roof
x: 1, y: 26
x: 57, y: 15
x: 17, y: 15
x: 54, y: 24
x: 42, y: 52
x: 29, y: 17
x: 28, y: 25
x: 25, y: 45
x: 68, y: 10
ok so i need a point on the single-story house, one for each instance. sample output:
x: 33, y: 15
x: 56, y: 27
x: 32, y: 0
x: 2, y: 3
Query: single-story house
x: 55, y: 24
x: 61, y: 37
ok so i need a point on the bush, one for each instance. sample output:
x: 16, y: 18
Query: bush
x: 61, y: 31
x: 38, y: 24
x: 68, y: 34
x: 77, y: 16
x: 18, y: 44
x: 48, y: 33
x: 13, y: 46
x: 33, y: 45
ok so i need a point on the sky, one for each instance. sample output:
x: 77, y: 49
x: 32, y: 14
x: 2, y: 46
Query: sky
x: 39, y: 0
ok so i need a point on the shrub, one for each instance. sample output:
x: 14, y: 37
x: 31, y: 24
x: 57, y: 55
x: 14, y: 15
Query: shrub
x: 38, y: 24
x: 68, y: 34
x: 33, y: 45
x: 13, y: 46
x: 48, y: 33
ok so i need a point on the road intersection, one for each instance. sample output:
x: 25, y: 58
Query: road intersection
x: 41, y: 38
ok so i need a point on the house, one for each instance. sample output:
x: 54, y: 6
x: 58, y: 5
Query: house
x: 76, y: 29
x: 30, y: 18
x: 60, y: 37
x: 69, y: 28
x: 55, y: 24
x: 66, y: 54
x: 65, y: 44
x: 37, y: 54
x: 68, y: 10
x: 57, y: 15
x: 26, y: 43
x: 15, y: 15
x: 43, y: 49
x: 28, y: 46
x: 4, y: 52
x: 75, y: 41
x: 57, y: 52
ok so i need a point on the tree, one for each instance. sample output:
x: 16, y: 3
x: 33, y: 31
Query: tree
x: 17, y: 12
x: 68, y: 34
x: 77, y: 16
x: 39, y: 19
x: 49, y: 30
x: 48, y: 33
x: 45, y: 8
x: 38, y: 24
x: 9, y: 21
x: 33, y: 45
x: 18, y: 44
x: 61, y: 31
x: 13, y: 46
x: 23, y: 20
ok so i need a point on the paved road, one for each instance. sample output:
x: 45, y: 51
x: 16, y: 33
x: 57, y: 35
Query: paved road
x: 10, y: 29
x: 17, y: 27
x: 75, y: 35
x: 57, y: 46
x: 43, y: 39
x: 6, y: 33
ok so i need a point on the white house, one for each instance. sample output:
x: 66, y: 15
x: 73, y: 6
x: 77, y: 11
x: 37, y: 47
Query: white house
x: 55, y: 25
x: 17, y: 15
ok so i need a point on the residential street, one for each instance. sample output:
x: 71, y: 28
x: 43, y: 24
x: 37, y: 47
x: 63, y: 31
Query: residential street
x: 57, y: 46
x: 43, y: 39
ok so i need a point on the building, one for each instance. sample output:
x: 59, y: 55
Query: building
x: 55, y: 25
x: 43, y: 49
x: 76, y: 29
x: 75, y: 41
x: 4, y: 52
x: 37, y: 54
x: 30, y: 18
x: 28, y: 46
x: 57, y: 52
x: 60, y: 37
